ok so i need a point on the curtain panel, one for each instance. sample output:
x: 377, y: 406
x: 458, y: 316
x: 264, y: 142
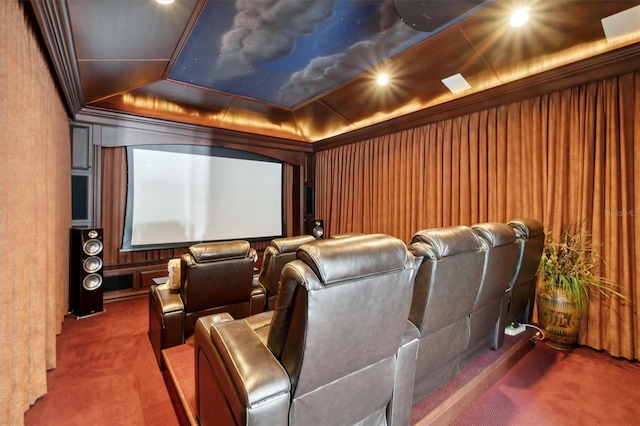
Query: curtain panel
x: 35, y: 215
x: 566, y: 157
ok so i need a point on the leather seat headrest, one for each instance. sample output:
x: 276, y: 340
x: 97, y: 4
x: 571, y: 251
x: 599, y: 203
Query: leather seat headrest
x: 334, y: 260
x: 211, y: 252
x: 291, y: 244
x: 527, y: 228
x: 495, y: 234
x: 448, y: 241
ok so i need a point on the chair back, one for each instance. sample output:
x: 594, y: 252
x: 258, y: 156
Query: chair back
x: 339, y: 320
x: 444, y: 293
x: 501, y: 253
x: 449, y: 276
x: 216, y: 275
x: 279, y: 252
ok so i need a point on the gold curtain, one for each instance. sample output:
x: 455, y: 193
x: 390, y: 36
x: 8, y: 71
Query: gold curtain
x: 567, y: 157
x: 35, y: 215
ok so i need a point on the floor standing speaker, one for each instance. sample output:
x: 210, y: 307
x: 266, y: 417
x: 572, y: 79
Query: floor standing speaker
x: 85, y: 275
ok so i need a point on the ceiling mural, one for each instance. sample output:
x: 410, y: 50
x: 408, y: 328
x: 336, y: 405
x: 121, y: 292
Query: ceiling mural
x: 285, y: 52
x: 308, y: 70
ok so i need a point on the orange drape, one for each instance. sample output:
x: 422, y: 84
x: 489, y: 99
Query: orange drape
x: 567, y: 157
x: 35, y: 214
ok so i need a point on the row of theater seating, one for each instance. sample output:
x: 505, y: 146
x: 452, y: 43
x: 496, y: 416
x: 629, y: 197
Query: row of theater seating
x: 213, y: 278
x: 361, y: 326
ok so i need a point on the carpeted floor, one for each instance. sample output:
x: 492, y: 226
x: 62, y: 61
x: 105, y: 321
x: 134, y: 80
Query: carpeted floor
x: 107, y: 375
x: 551, y: 387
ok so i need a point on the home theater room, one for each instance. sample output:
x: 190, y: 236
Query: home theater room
x: 319, y: 212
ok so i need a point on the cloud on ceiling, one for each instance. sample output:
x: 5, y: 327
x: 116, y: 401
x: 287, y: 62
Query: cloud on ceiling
x: 278, y: 21
x: 326, y: 71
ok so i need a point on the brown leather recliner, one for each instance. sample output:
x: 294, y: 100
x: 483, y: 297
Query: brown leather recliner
x: 338, y: 348
x: 279, y: 252
x: 214, y: 277
x: 489, y: 314
x: 445, y: 291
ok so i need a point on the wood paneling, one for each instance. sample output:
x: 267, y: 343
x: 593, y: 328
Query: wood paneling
x: 112, y: 140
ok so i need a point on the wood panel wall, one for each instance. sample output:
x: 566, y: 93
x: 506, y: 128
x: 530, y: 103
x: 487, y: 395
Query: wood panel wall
x: 112, y: 133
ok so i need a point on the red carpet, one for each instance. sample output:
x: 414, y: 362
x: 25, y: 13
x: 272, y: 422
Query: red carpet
x: 551, y: 387
x: 180, y: 367
x: 106, y: 373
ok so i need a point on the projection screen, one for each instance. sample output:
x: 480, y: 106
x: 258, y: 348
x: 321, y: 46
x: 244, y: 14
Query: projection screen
x: 178, y: 195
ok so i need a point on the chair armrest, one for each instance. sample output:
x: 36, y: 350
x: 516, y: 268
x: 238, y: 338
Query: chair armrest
x: 211, y: 320
x: 166, y: 299
x: 400, y: 406
x: 166, y: 320
x: 498, y: 332
x: 258, y: 298
x: 238, y: 380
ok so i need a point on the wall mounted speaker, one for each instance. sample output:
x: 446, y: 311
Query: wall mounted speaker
x: 429, y: 15
x: 85, y: 271
x: 315, y: 227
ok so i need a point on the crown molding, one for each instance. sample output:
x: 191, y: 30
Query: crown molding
x: 606, y: 65
x: 53, y: 19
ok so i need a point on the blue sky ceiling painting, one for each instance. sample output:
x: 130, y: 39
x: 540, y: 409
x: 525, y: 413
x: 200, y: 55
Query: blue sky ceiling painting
x: 285, y: 52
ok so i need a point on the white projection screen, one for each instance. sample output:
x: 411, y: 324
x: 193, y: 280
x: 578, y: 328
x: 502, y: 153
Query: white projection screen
x: 179, y: 195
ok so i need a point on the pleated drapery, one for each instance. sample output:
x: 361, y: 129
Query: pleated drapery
x: 567, y: 157
x: 35, y: 215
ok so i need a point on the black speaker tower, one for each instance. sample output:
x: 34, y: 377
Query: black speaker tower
x: 85, y: 271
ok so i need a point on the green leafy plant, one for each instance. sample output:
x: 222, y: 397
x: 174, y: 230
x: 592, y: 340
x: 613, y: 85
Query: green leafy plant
x: 568, y: 266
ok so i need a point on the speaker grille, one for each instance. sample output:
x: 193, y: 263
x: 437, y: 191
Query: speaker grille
x: 92, y: 264
x: 92, y: 247
x: 92, y: 282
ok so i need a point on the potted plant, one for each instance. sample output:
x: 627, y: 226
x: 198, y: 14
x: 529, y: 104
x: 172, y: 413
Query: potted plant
x: 567, y: 278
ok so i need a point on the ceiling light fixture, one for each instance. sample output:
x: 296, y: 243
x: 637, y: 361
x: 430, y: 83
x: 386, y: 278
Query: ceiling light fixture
x: 456, y: 83
x: 383, y: 79
x: 165, y: 1
x: 622, y: 24
x: 519, y: 17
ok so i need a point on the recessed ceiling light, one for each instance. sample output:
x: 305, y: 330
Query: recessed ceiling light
x: 165, y: 1
x: 456, y: 83
x: 519, y: 17
x: 383, y: 79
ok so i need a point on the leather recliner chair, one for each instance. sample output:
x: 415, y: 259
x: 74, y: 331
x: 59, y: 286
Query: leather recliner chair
x: 214, y: 277
x: 489, y: 314
x: 445, y: 291
x: 530, y: 234
x: 279, y: 252
x: 337, y: 349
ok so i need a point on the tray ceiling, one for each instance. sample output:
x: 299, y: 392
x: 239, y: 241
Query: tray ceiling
x: 306, y: 70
